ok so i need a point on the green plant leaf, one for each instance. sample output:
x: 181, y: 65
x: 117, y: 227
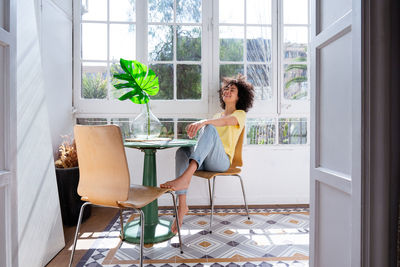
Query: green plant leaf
x: 126, y: 85
x: 300, y: 59
x: 141, y: 79
x: 296, y: 67
x: 140, y: 99
x: 123, y: 76
x: 130, y: 94
x: 295, y: 80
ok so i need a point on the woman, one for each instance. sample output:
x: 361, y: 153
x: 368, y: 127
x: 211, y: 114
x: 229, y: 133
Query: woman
x: 217, y: 139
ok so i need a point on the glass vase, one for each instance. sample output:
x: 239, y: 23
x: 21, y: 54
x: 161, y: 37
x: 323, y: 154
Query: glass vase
x: 146, y: 125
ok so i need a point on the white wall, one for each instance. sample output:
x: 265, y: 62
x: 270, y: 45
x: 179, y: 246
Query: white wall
x: 40, y: 233
x: 56, y: 51
x: 272, y: 175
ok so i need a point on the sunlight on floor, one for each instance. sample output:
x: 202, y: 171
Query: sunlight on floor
x: 270, y: 238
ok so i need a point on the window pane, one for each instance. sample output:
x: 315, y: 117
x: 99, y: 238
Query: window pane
x: 295, y: 43
x: 94, y: 10
x: 259, y: 45
x: 122, y: 10
x: 125, y: 126
x: 167, y: 129
x: 94, y: 41
x: 188, y: 43
x: 258, y: 12
x: 188, y: 81
x: 230, y: 70
x: 94, y: 80
x: 295, y: 11
x: 295, y: 81
x: 260, y: 77
x: 188, y: 11
x: 91, y: 121
x: 260, y: 131
x: 160, y: 43
x: 122, y: 41
x: 231, y: 43
x: 231, y: 11
x: 165, y: 73
x: 161, y: 10
x: 293, y: 131
x: 181, y: 128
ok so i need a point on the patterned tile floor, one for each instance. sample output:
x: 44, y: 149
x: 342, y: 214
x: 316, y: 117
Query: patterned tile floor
x: 272, y: 237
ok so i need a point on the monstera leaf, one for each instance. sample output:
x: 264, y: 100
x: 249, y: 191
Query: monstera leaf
x: 140, y: 78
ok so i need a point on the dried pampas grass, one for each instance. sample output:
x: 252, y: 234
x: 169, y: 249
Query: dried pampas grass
x: 67, y: 156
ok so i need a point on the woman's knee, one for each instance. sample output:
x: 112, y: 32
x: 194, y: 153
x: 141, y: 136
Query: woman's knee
x: 182, y: 152
x: 210, y: 128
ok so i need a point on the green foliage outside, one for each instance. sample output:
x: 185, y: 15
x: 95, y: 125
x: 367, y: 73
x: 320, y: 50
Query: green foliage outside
x: 293, y: 85
x: 293, y: 131
x: 94, y: 86
x: 167, y: 129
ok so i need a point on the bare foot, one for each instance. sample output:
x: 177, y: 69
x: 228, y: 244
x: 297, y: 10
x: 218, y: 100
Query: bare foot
x: 182, y: 211
x: 178, y: 184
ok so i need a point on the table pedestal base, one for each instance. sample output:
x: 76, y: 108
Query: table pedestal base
x: 153, y: 233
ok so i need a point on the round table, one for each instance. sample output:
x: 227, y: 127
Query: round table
x: 156, y: 230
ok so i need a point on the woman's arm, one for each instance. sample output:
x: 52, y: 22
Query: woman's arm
x: 224, y: 121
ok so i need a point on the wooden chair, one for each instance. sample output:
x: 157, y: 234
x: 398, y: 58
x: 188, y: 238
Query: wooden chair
x: 104, y: 177
x: 234, y: 170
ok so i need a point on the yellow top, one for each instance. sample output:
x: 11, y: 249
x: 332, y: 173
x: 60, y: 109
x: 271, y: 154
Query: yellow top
x: 230, y: 134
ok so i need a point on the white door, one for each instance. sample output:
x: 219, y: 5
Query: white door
x: 335, y: 208
x: 8, y: 212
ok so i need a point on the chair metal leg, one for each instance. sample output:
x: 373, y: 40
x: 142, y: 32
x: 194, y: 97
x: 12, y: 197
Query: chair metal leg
x: 244, y: 196
x: 209, y: 191
x: 121, y: 221
x: 212, y: 204
x: 141, y: 238
x: 177, y: 220
x: 77, y: 231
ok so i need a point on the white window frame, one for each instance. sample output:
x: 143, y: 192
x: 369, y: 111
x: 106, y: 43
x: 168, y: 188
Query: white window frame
x: 116, y: 108
x: 286, y: 106
x: 276, y: 108
x: 8, y: 135
x: 259, y: 106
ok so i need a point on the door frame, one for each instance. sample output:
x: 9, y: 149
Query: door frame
x: 350, y: 184
x: 8, y: 179
x: 381, y: 117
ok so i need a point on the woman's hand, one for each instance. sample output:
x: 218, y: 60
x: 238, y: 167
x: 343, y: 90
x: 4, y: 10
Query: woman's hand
x: 193, y: 128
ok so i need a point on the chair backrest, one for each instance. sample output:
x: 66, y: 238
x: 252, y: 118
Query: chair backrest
x: 103, y: 170
x: 237, y: 157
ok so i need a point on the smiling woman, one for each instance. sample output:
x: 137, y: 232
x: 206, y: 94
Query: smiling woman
x: 217, y: 139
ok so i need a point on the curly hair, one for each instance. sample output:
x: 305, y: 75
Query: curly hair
x: 245, y: 91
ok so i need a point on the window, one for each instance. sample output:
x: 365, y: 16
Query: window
x: 292, y: 131
x: 245, y: 45
x: 191, y: 45
x: 108, y: 31
x: 167, y: 35
x: 175, y: 47
x: 294, y: 57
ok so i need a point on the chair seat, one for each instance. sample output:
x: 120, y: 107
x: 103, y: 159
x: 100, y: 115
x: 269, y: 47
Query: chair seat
x: 138, y: 197
x: 209, y: 175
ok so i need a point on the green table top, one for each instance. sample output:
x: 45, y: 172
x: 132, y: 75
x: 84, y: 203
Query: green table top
x: 161, y: 144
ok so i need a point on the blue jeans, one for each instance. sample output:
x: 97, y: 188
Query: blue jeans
x: 209, y: 153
